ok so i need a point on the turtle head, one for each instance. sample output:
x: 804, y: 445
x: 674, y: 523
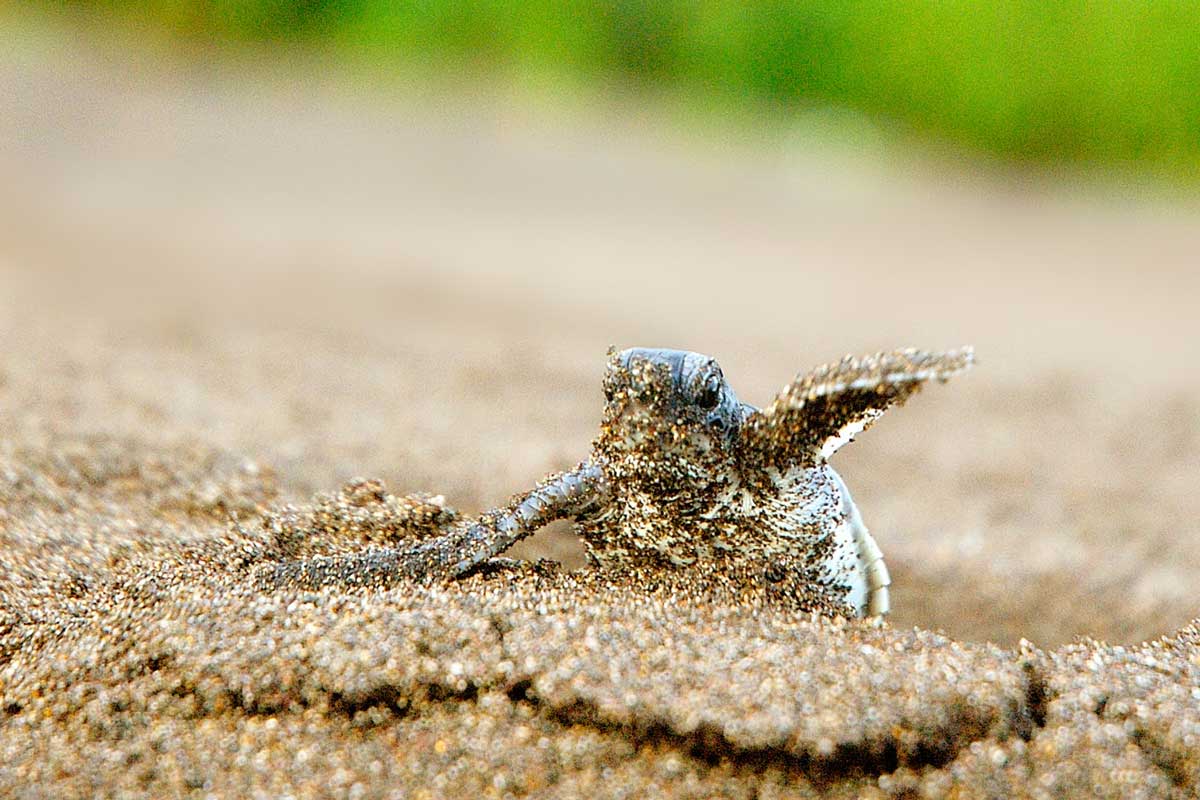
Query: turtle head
x: 669, y: 409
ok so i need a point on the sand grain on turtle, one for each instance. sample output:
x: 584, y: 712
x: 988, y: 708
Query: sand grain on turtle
x: 689, y: 489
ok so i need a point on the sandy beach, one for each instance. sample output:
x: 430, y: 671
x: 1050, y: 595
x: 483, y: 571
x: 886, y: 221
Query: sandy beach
x: 220, y: 297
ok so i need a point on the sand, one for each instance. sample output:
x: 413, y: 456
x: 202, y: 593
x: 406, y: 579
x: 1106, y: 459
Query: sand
x: 219, y: 297
x: 152, y: 670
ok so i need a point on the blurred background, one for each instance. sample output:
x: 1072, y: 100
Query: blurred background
x: 395, y: 239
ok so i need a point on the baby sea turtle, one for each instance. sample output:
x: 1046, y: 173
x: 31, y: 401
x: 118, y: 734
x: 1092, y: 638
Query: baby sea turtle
x: 687, y: 482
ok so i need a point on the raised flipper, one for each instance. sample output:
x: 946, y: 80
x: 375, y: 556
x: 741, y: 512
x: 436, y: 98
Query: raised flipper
x: 821, y: 411
x: 567, y: 494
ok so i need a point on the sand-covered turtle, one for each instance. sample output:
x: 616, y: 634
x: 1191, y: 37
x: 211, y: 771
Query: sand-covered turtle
x: 688, y: 485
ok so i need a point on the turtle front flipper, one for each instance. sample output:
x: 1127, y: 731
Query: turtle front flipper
x: 566, y: 494
x: 821, y: 411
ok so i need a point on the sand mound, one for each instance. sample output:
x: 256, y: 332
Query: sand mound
x: 166, y: 669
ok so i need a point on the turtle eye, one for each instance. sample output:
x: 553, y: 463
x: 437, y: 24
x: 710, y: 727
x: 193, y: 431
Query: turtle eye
x: 710, y: 393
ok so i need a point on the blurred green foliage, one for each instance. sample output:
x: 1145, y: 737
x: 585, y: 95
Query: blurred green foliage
x: 1106, y: 82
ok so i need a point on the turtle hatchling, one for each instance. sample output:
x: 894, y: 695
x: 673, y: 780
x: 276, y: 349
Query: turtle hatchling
x: 688, y: 486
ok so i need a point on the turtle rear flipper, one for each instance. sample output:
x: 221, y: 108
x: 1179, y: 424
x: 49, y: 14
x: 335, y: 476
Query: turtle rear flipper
x: 824, y: 409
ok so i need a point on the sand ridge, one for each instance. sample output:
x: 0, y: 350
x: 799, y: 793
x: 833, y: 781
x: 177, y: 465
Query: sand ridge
x: 174, y: 671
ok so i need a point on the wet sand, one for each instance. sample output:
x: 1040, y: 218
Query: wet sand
x: 218, y: 298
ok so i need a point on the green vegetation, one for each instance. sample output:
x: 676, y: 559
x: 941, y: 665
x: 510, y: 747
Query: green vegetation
x: 1103, y: 82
